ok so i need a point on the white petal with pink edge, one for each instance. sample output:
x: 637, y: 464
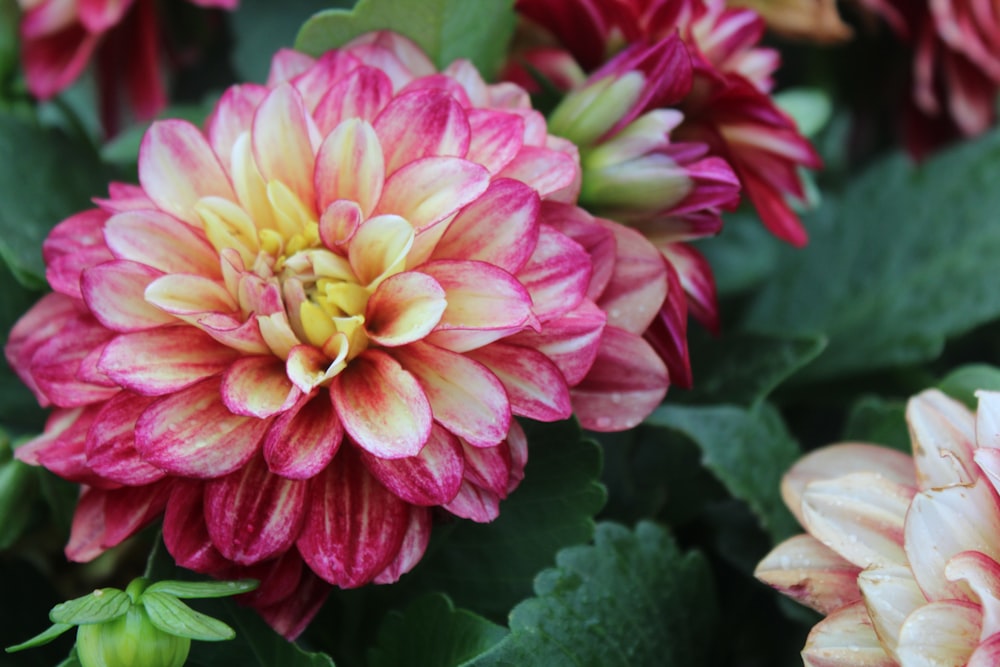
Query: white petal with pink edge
x: 350, y: 166
x: 943, y: 434
x: 162, y: 242
x: 811, y: 573
x: 940, y: 634
x: 362, y: 94
x: 988, y: 419
x: 845, y: 638
x: 982, y: 575
x: 891, y: 594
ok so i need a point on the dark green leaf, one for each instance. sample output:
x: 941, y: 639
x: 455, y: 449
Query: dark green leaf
x: 905, y: 259
x: 742, y: 256
x: 262, y: 27
x: 432, y: 633
x: 962, y: 383
x: 747, y: 450
x: 41, y: 638
x: 103, y: 605
x: 633, y: 599
x: 174, y: 617
x: 255, y: 645
x: 445, y: 29
x: 45, y: 178
x: 878, y: 421
x: 202, y: 589
x: 489, y: 567
x: 745, y: 368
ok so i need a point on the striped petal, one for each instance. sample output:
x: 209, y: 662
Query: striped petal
x: 303, y: 440
x: 362, y: 94
x: 497, y: 137
x: 74, y: 245
x: 56, y: 365
x: 105, y: 518
x: 943, y: 434
x: 891, y: 594
x: 231, y: 117
x: 115, y: 293
x: 418, y: 535
x: 430, y: 189
x: 110, y: 444
x: 192, y: 433
x: 258, y: 387
x: 571, y: 341
x: 185, y: 533
x: 405, y: 308
x: 354, y: 527
x: 534, y: 385
x: 253, y: 514
x: 282, y: 141
x: 557, y: 275
x: 382, y: 406
x: 186, y: 295
x: 162, y: 242
x: 430, y: 478
x: 421, y: 124
x: 350, y: 166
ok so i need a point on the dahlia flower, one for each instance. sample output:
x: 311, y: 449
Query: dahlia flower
x: 726, y: 108
x: 316, y: 319
x: 901, y: 554
x: 59, y: 38
x: 956, y: 66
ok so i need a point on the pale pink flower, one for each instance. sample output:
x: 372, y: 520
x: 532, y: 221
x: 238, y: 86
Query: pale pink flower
x: 956, y: 66
x: 317, y: 319
x: 59, y: 38
x: 902, y: 555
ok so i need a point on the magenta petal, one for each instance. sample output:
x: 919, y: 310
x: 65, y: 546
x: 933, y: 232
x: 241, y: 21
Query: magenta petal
x: 570, y: 341
x: 61, y: 448
x: 418, y: 534
x: 303, y: 440
x: 638, y: 285
x: 115, y: 293
x: 354, y: 527
x: 535, y: 386
x: 499, y: 228
x: 45, y: 319
x: 465, y: 397
x: 290, y: 616
x: 258, y: 387
x: 496, y: 138
x: 475, y: 503
x: 232, y: 116
x: 382, y: 406
x: 420, y: 124
x: 110, y: 444
x: 488, y: 467
x: 253, y: 514
x: 104, y: 518
x: 546, y: 169
x: 56, y: 365
x: 361, y: 94
x: 557, y: 275
x: 192, y: 433
x: 626, y: 383
x: 164, y: 360
x: 430, y: 478
x: 185, y: 532
x: 75, y: 244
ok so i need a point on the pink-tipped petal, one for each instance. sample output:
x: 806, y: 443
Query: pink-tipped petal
x: 845, y: 638
x: 382, y: 406
x: 475, y: 503
x: 891, y: 594
x: 430, y: 189
x: 430, y: 478
x: 812, y: 574
x: 940, y: 634
x: 350, y: 166
x: 258, y: 387
x: 282, y: 142
x: 115, y: 294
x: 232, y: 116
x: 405, y: 308
x: 105, y: 518
x: 110, y: 444
x: 74, y: 245
x: 943, y: 434
x: 571, y: 342
x: 56, y: 365
x: 420, y: 124
x: 982, y: 575
x: 354, y: 527
x: 303, y: 440
x: 362, y: 94
x: 557, y: 275
x: 253, y: 514
x: 192, y: 433
x: 480, y: 296
x: 161, y: 242
x: 535, y: 386
x: 418, y: 534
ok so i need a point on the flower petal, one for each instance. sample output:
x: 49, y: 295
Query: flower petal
x: 185, y: 532
x: 362, y: 94
x: 303, y: 440
x: 350, y: 166
x: 258, y: 387
x: 943, y: 434
x: 891, y: 594
x: 405, y: 308
x: 845, y: 638
x: 115, y: 293
x: 110, y: 444
x: 418, y: 535
x: 429, y: 478
x: 162, y: 242
x: 104, y: 518
x: 557, y: 275
x: 535, y: 386
x: 282, y: 140
x: 420, y: 124
x: 382, y: 406
x: 810, y: 573
x: 428, y: 190
x: 940, y: 634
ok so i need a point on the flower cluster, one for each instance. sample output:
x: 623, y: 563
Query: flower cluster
x: 316, y: 319
x: 59, y: 39
x: 901, y: 554
x: 956, y: 66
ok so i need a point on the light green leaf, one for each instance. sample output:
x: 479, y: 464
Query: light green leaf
x: 747, y: 450
x: 905, y: 259
x: 962, y: 383
x: 102, y: 605
x: 489, y: 567
x: 174, y: 617
x: 633, y: 599
x: 445, y: 29
x: 45, y: 177
x: 432, y: 633
x: 745, y: 368
x: 810, y: 108
x: 18, y: 485
x: 202, y: 589
x: 41, y: 638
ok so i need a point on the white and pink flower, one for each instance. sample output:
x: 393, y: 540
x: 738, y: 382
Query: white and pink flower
x: 901, y: 554
x: 316, y: 320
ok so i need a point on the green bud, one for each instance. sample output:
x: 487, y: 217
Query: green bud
x: 131, y: 640
x: 584, y: 115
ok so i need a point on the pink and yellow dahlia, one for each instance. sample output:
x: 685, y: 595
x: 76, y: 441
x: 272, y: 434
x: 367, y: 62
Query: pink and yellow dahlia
x: 727, y: 106
x: 901, y: 554
x: 316, y: 320
x: 60, y: 37
x: 956, y: 66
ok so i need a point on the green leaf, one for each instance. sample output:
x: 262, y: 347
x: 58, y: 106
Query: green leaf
x: 445, y: 29
x: 41, y: 638
x: 203, y: 589
x: 432, y: 633
x: 878, y: 421
x: 174, y: 617
x: 72, y: 660
x: 102, y: 605
x: 743, y: 256
x: 18, y: 486
x: 745, y: 368
x: 905, y: 259
x: 633, y: 599
x: 45, y: 177
x: 810, y: 108
x: 255, y: 645
x: 747, y: 450
x: 261, y: 27
x: 962, y: 383
x: 489, y: 567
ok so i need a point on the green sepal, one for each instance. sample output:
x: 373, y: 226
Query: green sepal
x: 172, y: 616
x: 203, y: 589
x: 101, y: 606
x: 41, y: 638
